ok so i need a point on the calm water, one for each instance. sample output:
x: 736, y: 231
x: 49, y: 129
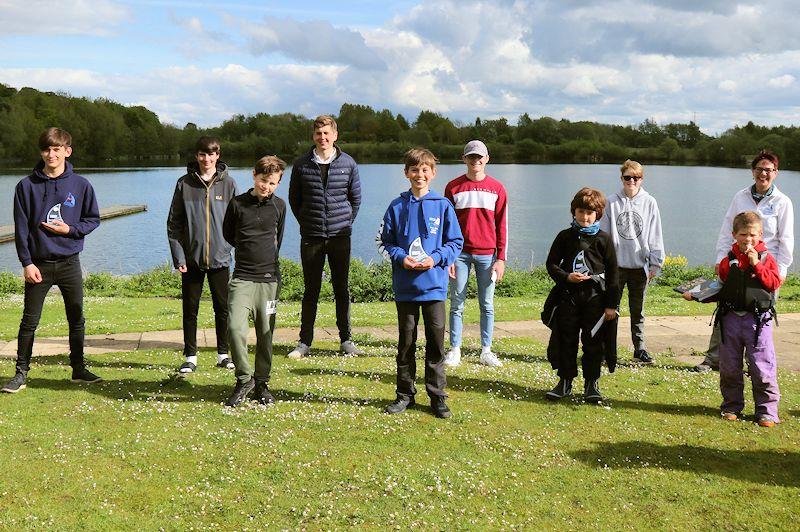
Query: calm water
x: 692, y: 200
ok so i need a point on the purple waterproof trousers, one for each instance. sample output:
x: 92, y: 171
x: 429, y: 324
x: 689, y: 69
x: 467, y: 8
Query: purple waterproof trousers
x: 738, y: 333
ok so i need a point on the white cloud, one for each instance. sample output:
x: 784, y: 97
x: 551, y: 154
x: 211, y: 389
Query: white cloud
x: 781, y: 82
x: 618, y: 62
x: 66, y: 17
x: 316, y: 41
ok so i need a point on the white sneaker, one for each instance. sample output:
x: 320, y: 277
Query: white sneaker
x: 349, y: 348
x: 300, y: 351
x: 453, y: 357
x: 490, y: 359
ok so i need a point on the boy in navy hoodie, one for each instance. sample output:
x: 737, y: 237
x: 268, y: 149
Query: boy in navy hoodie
x: 54, y: 209
x: 422, y: 237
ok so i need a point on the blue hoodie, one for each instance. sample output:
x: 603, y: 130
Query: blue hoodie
x: 38, y: 198
x: 432, y: 219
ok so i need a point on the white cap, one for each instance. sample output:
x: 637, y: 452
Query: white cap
x: 477, y: 147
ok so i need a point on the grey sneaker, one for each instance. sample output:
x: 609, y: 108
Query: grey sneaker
x: 16, y: 384
x: 490, y: 359
x: 302, y: 350
x: 399, y: 405
x: 350, y: 348
x: 453, y: 357
x: 702, y: 367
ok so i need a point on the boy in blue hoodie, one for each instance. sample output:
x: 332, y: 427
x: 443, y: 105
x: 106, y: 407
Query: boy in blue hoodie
x: 422, y: 237
x: 54, y: 209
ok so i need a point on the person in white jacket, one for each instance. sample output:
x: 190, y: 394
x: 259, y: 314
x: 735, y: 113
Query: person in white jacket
x: 777, y: 218
x: 634, y: 223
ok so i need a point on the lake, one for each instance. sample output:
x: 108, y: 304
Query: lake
x: 692, y: 201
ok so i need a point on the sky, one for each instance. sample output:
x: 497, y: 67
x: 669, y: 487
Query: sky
x: 717, y: 62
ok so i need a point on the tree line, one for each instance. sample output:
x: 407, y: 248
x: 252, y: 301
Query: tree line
x: 106, y: 132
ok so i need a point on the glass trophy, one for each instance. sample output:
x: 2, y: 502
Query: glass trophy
x: 54, y: 214
x: 416, y: 252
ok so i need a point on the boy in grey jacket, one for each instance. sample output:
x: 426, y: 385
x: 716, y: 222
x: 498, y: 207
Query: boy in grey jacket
x: 634, y: 223
x: 194, y: 229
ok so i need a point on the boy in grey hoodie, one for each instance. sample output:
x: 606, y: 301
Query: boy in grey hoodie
x: 634, y: 223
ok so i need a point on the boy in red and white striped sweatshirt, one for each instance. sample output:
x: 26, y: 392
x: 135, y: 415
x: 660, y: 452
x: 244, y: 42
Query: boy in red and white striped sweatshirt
x: 481, y: 207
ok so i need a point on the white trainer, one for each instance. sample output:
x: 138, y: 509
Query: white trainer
x: 490, y: 359
x: 300, y: 351
x: 453, y: 357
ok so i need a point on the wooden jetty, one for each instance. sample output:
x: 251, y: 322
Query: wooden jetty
x: 7, y: 231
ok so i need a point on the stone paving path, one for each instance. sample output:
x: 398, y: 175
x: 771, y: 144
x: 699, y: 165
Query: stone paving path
x: 684, y: 337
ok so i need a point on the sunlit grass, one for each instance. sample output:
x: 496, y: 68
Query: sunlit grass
x: 144, y: 450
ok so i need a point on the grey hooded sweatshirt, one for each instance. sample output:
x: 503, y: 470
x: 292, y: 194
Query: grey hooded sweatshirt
x: 635, y: 228
x: 194, y: 224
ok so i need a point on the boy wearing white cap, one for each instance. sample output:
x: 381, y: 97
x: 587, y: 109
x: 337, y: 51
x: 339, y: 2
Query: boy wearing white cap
x: 481, y: 207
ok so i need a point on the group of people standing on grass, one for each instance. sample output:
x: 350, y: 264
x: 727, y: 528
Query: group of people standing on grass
x: 433, y: 242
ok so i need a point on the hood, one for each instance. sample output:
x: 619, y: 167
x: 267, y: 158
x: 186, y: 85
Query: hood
x: 38, y: 176
x: 193, y: 169
x: 38, y: 172
x: 636, y: 199
x: 422, y: 206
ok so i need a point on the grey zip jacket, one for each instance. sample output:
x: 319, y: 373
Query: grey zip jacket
x: 194, y: 224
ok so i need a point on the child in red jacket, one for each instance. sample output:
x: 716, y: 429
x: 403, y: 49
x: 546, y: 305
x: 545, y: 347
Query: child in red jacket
x: 746, y: 309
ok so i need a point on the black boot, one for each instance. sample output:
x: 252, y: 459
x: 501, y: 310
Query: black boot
x: 562, y: 389
x: 591, y: 391
x: 262, y: 393
x: 439, y: 407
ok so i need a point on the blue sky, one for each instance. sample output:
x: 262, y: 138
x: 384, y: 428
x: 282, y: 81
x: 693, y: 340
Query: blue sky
x: 723, y: 62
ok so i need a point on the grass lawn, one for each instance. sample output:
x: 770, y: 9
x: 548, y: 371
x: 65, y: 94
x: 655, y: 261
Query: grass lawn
x: 145, y: 450
x: 137, y: 314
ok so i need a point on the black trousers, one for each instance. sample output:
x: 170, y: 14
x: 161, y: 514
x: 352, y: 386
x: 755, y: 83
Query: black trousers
x: 576, y: 319
x: 66, y: 274
x: 191, y: 290
x: 434, y: 316
x: 636, y: 280
x: 312, y: 256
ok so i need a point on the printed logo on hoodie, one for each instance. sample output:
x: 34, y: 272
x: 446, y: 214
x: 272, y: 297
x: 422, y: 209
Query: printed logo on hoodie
x: 70, y: 201
x: 629, y: 225
x: 433, y: 224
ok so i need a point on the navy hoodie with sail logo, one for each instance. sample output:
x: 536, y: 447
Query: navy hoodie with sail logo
x: 39, y: 198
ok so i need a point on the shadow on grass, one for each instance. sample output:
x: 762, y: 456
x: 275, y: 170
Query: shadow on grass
x: 177, y: 389
x: 762, y: 467
x: 513, y: 391
x: 503, y: 389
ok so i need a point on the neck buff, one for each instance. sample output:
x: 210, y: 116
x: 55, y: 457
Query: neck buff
x: 591, y: 230
x: 758, y: 197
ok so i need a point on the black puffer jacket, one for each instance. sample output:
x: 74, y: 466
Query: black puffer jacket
x: 325, y: 210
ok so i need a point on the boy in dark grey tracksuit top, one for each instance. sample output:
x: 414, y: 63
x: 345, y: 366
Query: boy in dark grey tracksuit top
x: 194, y: 229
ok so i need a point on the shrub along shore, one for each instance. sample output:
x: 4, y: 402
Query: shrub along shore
x: 371, y: 282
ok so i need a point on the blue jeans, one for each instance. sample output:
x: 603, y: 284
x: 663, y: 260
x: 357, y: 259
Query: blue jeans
x: 458, y: 294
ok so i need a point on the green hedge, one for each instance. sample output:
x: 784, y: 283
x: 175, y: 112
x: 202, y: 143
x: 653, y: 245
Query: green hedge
x: 368, y: 282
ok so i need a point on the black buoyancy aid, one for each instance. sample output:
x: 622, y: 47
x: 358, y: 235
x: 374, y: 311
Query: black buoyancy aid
x: 742, y: 291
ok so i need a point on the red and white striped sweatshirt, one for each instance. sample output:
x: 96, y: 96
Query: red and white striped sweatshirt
x: 481, y: 208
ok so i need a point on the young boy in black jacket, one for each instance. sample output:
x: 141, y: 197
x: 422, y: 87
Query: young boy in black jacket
x: 254, y: 225
x: 583, y: 264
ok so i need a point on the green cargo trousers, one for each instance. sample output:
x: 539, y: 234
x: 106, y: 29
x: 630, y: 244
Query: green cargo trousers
x: 259, y: 300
